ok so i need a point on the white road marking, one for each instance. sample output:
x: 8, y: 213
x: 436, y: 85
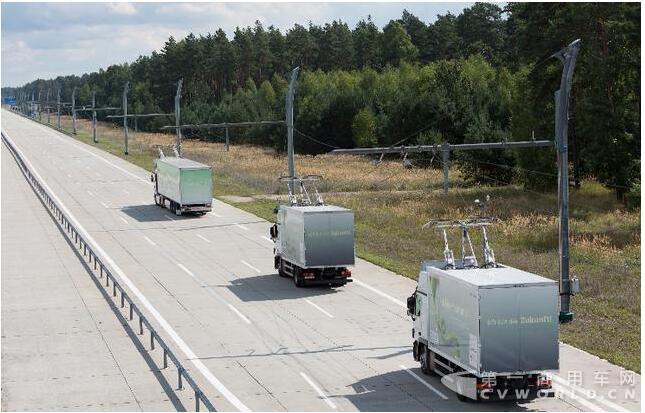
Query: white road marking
x: 379, y: 292
x: 124, y: 220
x: 319, y: 309
x: 317, y: 390
x: 241, y: 226
x: 188, y: 352
x: 425, y: 383
x: 589, y: 394
x: 151, y: 242
x: 217, y: 215
x: 236, y: 311
x: 203, y: 238
x: 69, y: 175
x: 104, y: 205
x: 267, y: 238
x: 251, y: 267
x: 170, y: 218
x: 125, y: 191
x: 143, y: 202
x: 561, y: 391
x: 186, y: 270
x: 90, y: 193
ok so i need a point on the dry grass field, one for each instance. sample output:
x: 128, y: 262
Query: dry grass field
x: 391, y: 203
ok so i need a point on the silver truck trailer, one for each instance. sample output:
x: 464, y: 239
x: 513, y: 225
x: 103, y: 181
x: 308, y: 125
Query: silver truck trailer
x: 182, y: 185
x: 314, y: 244
x: 490, y: 330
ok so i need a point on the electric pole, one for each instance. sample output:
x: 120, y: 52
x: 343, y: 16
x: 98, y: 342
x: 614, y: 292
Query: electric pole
x: 48, y: 121
x: 94, y: 116
x: 40, y: 106
x: 177, y: 116
x: 58, y: 106
x: 125, y: 114
x: 289, y: 109
x: 74, y: 110
x: 568, y: 57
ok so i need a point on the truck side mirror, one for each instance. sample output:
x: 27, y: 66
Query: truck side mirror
x: 412, y: 300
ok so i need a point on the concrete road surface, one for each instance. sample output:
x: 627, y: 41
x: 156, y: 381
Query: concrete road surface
x: 63, y: 348
x: 251, y: 338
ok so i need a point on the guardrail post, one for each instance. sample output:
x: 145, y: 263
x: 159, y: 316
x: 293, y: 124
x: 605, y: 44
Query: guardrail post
x: 152, y: 340
x: 180, y: 384
x: 196, y: 401
x: 131, y: 310
x: 122, y: 300
x: 140, y: 325
x: 107, y: 280
x: 113, y: 289
x: 165, y: 359
x: 101, y: 271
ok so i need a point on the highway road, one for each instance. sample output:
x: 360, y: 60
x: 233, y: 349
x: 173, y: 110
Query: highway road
x: 250, y: 338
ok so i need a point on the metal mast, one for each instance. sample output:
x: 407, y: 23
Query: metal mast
x: 74, y: 110
x: 568, y: 57
x: 289, y: 120
x: 58, y: 106
x: 177, y: 115
x: 94, y: 116
x: 125, y: 114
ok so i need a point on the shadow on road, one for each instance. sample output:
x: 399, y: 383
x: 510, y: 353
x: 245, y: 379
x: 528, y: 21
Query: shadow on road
x: 153, y: 213
x: 273, y: 287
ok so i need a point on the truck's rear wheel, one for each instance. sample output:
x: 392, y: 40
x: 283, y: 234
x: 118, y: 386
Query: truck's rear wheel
x: 423, y: 360
x: 297, y: 279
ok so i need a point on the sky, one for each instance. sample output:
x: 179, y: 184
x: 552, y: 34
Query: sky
x: 45, y: 40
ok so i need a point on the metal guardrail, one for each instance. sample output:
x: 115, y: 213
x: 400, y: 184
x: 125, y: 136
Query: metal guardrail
x: 104, y: 271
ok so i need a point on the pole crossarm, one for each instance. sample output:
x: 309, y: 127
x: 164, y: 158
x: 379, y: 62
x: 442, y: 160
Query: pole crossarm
x: 437, y: 148
x: 137, y: 115
x: 90, y: 109
x: 226, y: 124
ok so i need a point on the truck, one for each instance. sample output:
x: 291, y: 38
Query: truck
x: 313, y: 242
x: 491, y: 331
x: 182, y: 185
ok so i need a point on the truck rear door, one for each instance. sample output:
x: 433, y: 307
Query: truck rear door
x: 519, y: 328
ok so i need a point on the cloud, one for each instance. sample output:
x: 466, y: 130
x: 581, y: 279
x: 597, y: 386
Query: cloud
x: 123, y: 8
x: 50, y: 39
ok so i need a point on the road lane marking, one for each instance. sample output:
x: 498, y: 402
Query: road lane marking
x: 268, y: 239
x: 186, y: 270
x: 425, y: 383
x: 217, y: 215
x: 125, y: 191
x: 151, y: 242
x: 241, y: 226
x: 561, y: 391
x: 251, y: 267
x: 81, y: 148
x: 319, y: 308
x: 379, y: 292
x: 236, y: 311
x: 104, y: 205
x: 90, y: 193
x: 170, y: 218
x: 589, y: 394
x: 69, y: 176
x: 124, y: 220
x: 317, y: 390
x: 188, y: 352
x: 203, y: 238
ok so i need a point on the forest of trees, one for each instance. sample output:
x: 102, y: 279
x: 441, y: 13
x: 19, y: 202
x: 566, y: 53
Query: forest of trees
x: 484, y: 75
